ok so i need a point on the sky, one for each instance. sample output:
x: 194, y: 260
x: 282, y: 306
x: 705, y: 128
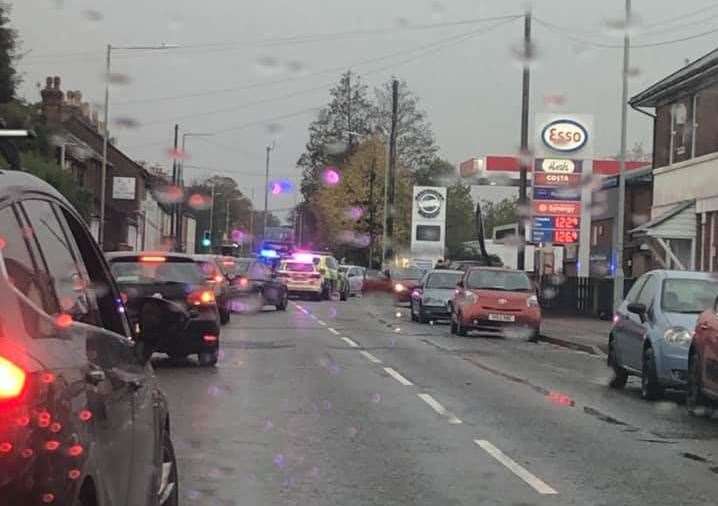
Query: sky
x: 256, y: 72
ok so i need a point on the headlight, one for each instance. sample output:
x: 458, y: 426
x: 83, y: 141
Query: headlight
x: 399, y: 288
x: 678, y: 335
x: 471, y: 297
x: 532, y: 301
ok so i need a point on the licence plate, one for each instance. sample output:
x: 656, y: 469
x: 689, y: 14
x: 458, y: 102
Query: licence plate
x: 502, y: 317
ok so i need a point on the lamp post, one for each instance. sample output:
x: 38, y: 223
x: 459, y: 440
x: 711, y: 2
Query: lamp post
x: 106, y: 131
x: 270, y: 147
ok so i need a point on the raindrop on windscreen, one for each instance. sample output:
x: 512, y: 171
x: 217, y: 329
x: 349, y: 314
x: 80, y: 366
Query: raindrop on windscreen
x: 280, y: 461
x: 330, y: 176
x: 295, y: 67
x: 92, y: 15
x: 633, y: 72
x: 526, y: 157
x: 354, y: 213
x: 621, y: 26
x: 401, y: 22
x: 274, y: 128
x: 117, y: 78
x: 126, y: 122
x: 177, y: 154
x: 525, y: 55
x: 437, y: 11
x: 168, y: 194
x: 176, y: 23
x: 376, y: 398
x: 548, y: 293
x: 198, y: 201
x: 554, y: 100
x: 336, y: 147
x: 81, y: 152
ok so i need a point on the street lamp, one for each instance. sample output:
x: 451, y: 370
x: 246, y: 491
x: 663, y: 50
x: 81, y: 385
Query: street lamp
x: 270, y: 147
x: 106, y: 132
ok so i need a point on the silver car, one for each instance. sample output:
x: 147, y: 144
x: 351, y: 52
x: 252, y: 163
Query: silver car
x: 430, y: 299
x: 355, y: 277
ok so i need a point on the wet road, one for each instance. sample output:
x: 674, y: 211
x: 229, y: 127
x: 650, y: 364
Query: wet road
x: 349, y: 403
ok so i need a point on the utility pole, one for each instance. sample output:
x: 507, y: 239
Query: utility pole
x: 618, y: 253
x: 524, y: 158
x: 270, y: 147
x: 389, y: 231
x: 105, y: 136
x: 372, y: 176
x: 211, y: 220
x: 175, y: 220
x: 349, y: 109
x: 226, y: 219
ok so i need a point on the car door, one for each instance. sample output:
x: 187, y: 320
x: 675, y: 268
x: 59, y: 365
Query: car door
x: 623, y: 322
x: 355, y: 279
x: 110, y: 394
x: 707, y: 335
x: 636, y: 330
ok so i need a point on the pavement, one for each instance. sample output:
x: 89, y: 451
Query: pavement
x: 351, y: 403
x: 585, y: 334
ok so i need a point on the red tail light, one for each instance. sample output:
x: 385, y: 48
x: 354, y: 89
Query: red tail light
x: 243, y: 282
x: 12, y: 380
x: 209, y: 338
x: 201, y: 298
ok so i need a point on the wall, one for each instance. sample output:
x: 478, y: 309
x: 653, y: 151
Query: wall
x: 693, y: 179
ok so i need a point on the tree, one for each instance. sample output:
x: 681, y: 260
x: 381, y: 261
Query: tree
x: 438, y: 172
x: 460, y: 218
x: 333, y: 134
x: 415, y: 140
x: 8, y: 44
x: 503, y: 212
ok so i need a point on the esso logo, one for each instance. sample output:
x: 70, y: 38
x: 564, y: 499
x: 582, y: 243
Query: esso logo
x: 564, y: 135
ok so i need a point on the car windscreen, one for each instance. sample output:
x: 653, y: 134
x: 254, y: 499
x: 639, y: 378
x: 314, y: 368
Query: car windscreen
x: 242, y: 266
x: 409, y: 273
x: 298, y: 267
x: 209, y: 268
x: 442, y: 280
x: 137, y: 272
x: 508, y: 281
x: 688, y: 295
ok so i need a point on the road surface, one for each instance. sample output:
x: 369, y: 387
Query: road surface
x: 350, y: 403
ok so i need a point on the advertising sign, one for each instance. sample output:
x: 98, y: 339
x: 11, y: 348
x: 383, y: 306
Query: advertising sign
x: 428, y: 222
x: 564, y: 135
x: 123, y: 188
x: 558, y: 166
x: 555, y: 236
x: 543, y: 179
x: 557, y: 193
x: 556, y: 208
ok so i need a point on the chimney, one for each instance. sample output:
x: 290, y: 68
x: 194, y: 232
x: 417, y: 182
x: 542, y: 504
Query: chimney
x: 52, y: 100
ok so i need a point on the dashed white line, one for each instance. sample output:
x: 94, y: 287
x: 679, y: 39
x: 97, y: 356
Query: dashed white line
x: 535, y: 483
x: 321, y: 323
x: 350, y: 342
x: 370, y: 357
x: 314, y: 316
x: 298, y: 306
x: 333, y: 331
x: 398, y: 377
x: 436, y: 406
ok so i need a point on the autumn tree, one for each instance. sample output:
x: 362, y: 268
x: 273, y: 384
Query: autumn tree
x: 503, y: 212
x: 8, y: 45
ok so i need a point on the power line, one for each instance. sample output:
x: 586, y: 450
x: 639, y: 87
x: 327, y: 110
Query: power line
x: 673, y: 19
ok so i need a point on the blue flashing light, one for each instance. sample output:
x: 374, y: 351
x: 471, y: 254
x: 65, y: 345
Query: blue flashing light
x: 269, y: 253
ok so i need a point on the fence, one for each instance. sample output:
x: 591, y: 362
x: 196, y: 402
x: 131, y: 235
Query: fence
x: 578, y: 296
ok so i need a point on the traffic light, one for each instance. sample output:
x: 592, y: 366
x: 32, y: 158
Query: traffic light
x: 206, y: 239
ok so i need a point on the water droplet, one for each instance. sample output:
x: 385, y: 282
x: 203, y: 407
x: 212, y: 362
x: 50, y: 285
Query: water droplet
x: 376, y: 397
x: 199, y: 202
x: 279, y: 461
x: 548, y: 293
x: 176, y: 23
x: 554, y: 100
x: 117, y: 79
x: 336, y: 147
x: 354, y: 213
x: 169, y: 194
x: 126, y: 122
x: 633, y: 72
x: 177, y: 154
x: 92, y: 15
x: 525, y: 55
x: 331, y: 176
x: 437, y: 11
x: 296, y: 67
x: 401, y: 22
x: 267, y: 65
x: 274, y: 128
x: 620, y: 26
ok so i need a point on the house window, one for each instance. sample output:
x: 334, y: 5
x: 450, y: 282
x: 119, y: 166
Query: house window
x: 682, y: 130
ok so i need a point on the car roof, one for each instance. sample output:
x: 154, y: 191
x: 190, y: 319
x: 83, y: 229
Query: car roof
x: 110, y: 255
x: 15, y: 182
x: 447, y: 271
x: 672, y: 274
x: 487, y: 268
x: 207, y: 257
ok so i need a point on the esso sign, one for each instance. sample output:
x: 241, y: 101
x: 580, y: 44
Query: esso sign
x: 564, y: 135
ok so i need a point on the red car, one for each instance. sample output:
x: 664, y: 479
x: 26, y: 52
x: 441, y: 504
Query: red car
x: 494, y: 299
x: 403, y: 282
x: 703, y: 362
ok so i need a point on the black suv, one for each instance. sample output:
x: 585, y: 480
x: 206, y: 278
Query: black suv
x: 82, y: 420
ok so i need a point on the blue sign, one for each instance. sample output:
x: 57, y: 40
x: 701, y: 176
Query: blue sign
x: 543, y: 223
x: 542, y: 235
x: 557, y: 194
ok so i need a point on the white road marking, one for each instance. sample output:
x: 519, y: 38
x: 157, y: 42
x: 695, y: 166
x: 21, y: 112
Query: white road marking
x: 350, y: 342
x: 436, y: 406
x: 321, y: 323
x: 535, y: 483
x: 298, y: 306
x: 370, y: 357
x: 333, y: 331
x: 398, y: 377
x: 314, y: 316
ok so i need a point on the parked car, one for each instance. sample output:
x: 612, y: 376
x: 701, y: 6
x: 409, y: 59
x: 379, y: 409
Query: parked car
x: 495, y: 299
x: 703, y: 361
x: 653, y: 329
x: 252, y: 278
x: 355, y: 278
x: 302, y: 278
x: 82, y: 415
x: 180, y: 279
x: 216, y: 274
x: 430, y: 300
x: 403, y: 281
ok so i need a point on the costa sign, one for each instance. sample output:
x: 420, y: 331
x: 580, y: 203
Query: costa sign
x: 558, y: 166
x: 564, y: 135
x: 544, y: 179
x: 556, y: 208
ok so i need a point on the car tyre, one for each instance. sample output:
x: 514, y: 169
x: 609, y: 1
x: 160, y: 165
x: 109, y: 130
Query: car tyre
x: 460, y: 329
x: 282, y: 306
x: 620, y: 375
x: 344, y: 295
x: 168, y: 488
x: 422, y: 317
x: 411, y: 311
x: 534, y: 336
x: 224, y: 316
x: 208, y: 358
x: 695, y: 400
x: 650, y: 388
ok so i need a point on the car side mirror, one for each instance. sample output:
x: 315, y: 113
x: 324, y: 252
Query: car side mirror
x: 156, y: 318
x: 460, y: 284
x: 639, y: 309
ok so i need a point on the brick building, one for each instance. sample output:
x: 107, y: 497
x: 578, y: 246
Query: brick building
x: 683, y: 228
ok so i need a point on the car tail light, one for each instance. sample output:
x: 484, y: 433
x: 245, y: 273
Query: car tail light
x: 201, y: 298
x: 12, y: 380
x: 218, y: 278
x: 243, y: 282
x: 153, y: 259
x: 210, y: 338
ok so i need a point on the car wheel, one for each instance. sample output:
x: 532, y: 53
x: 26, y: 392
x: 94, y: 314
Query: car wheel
x: 168, y: 490
x: 224, y: 316
x: 453, y: 325
x: 460, y: 329
x: 422, y: 316
x: 344, y: 295
x: 620, y: 375
x: 695, y: 401
x: 412, y: 311
x: 650, y: 388
x: 282, y: 306
x: 208, y: 358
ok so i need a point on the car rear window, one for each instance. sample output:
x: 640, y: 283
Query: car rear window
x: 499, y: 280
x: 410, y: 273
x: 133, y: 270
x: 298, y: 267
x: 443, y: 280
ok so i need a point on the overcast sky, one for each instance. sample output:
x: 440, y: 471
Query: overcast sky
x: 232, y: 56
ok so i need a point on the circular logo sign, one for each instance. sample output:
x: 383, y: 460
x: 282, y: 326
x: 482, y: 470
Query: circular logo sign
x: 428, y: 203
x: 564, y: 135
